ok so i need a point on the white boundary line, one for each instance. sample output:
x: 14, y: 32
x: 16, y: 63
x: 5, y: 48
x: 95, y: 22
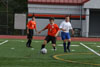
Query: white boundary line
x: 4, y: 42
x: 90, y: 49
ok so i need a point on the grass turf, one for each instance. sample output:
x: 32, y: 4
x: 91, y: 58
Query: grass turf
x: 14, y: 53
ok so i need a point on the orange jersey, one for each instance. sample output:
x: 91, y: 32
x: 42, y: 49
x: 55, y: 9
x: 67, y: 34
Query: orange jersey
x: 31, y: 24
x: 52, y: 29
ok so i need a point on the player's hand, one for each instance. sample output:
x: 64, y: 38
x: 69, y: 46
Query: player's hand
x: 63, y: 30
x: 72, y: 33
x: 39, y: 32
x: 56, y: 35
x: 27, y: 32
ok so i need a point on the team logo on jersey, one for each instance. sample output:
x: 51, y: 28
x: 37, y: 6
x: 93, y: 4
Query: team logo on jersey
x: 32, y: 25
x: 52, y: 26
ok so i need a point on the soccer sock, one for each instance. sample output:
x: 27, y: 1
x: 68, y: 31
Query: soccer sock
x: 27, y: 44
x: 43, y: 46
x: 64, y: 44
x: 30, y: 42
x: 68, y: 45
x: 54, y: 47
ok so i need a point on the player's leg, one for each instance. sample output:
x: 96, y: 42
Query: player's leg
x: 47, y: 39
x: 29, y: 42
x: 64, y: 44
x: 69, y: 42
x: 68, y: 45
x: 44, y: 43
x: 63, y: 36
x: 29, y: 37
x: 54, y: 47
x: 53, y: 39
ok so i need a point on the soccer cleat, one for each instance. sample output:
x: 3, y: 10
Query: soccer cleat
x: 29, y: 46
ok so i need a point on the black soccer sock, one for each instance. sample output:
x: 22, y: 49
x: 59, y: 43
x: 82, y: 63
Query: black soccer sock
x: 27, y: 44
x: 43, y: 46
x: 54, y: 47
x: 64, y: 44
x: 68, y: 46
x: 30, y: 42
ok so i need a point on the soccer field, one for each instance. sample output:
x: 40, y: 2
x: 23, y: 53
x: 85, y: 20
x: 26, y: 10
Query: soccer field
x: 14, y: 53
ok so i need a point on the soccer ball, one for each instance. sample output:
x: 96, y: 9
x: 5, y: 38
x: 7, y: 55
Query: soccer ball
x: 44, y: 51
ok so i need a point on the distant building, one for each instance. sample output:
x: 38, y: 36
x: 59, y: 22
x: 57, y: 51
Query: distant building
x: 84, y: 14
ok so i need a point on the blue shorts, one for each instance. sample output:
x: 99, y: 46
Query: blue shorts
x: 65, y: 35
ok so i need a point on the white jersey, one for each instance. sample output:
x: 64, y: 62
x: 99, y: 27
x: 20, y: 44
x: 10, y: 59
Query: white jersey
x: 66, y: 26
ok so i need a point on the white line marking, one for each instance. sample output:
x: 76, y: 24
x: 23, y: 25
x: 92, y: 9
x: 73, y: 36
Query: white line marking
x: 4, y: 42
x: 70, y: 45
x: 32, y: 48
x: 72, y: 50
x: 98, y: 46
x: 17, y: 40
x: 12, y: 48
x: 60, y: 45
x: 91, y: 43
x: 37, y: 41
x: 22, y: 41
x: 75, y: 45
x: 90, y: 49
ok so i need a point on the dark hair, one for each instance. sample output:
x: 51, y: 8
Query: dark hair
x: 33, y: 15
x: 51, y: 18
x: 67, y: 16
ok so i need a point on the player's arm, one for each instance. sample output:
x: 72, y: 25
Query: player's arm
x: 72, y: 31
x: 35, y: 29
x: 27, y: 30
x: 28, y: 24
x: 57, y: 33
x: 62, y: 29
x: 43, y: 29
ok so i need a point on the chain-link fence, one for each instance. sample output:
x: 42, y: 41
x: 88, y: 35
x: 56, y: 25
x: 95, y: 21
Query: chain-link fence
x: 7, y: 10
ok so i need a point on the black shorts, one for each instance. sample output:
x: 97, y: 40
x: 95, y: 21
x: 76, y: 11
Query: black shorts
x: 50, y: 38
x: 30, y: 35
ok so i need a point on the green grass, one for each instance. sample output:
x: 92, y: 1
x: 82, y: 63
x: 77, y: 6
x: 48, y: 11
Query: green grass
x: 14, y: 53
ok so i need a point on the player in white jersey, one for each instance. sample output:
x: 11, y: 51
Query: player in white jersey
x: 65, y: 26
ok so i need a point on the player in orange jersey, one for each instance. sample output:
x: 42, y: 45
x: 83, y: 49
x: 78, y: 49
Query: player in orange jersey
x: 53, y: 31
x: 31, y: 25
